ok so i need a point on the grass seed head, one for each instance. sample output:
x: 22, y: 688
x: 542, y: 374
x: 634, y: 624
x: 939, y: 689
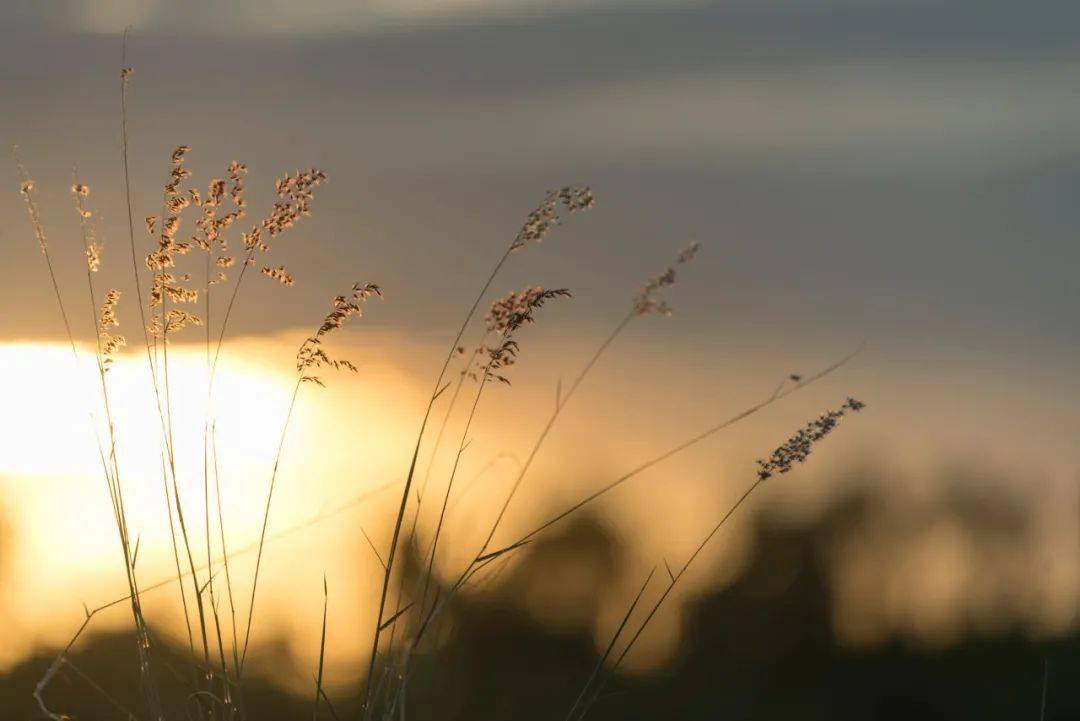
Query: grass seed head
x: 650, y: 301
x: 545, y: 216
x: 796, y: 449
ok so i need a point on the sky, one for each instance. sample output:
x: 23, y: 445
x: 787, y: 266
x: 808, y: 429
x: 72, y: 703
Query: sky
x: 889, y: 172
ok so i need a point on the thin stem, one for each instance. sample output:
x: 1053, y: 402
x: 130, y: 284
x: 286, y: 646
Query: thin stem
x: 682, y: 571
x: 322, y: 651
x: 562, y: 401
x: 101, y: 691
x: 125, y: 73
x: 611, y: 645
x: 316, y: 519
x: 422, y: 491
x: 551, y: 422
x: 709, y: 432
x: 391, y: 556
x: 446, y: 419
x: 224, y: 548
x: 482, y: 560
x: 450, y: 485
x: 228, y: 314
x: 179, y: 507
x: 112, y: 472
x: 39, y: 235
x: 266, y: 522
x: 176, y: 556
x: 667, y: 591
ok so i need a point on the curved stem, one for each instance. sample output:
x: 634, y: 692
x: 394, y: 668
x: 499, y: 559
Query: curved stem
x: 450, y: 488
x: 551, y: 422
x: 412, y: 471
x: 265, y: 524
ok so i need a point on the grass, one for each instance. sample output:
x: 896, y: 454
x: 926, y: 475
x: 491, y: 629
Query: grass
x: 410, y: 606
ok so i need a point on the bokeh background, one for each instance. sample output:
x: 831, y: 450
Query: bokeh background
x: 899, y: 174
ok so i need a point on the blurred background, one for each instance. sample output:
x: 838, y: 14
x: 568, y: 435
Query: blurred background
x: 899, y: 174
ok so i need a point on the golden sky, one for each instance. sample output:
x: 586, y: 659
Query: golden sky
x: 914, y: 193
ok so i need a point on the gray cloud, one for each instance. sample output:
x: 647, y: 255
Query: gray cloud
x: 902, y: 166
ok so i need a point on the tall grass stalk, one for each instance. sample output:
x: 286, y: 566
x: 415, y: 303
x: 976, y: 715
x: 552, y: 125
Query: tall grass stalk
x: 218, y: 672
x: 392, y: 553
x: 794, y: 450
x: 648, y: 301
x: 534, y: 229
x: 322, y: 652
x: 480, y: 562
x: 265, y: 524
x: 224, y: 550
x: 110, y: 467
x: 610, y: 647
x: 779, y: 394
x: 151, y: 348
x: 309, y: 358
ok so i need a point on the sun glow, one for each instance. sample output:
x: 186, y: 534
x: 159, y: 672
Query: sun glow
x: 62, y: 541
x: 52, y: 435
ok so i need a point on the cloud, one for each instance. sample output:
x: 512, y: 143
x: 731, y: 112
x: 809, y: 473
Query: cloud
x: 323, y: 17
x: 900, y: 115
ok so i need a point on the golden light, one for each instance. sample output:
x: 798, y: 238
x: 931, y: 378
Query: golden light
x: 62, y: 544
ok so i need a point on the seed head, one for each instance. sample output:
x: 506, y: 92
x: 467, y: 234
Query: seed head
x: 510, y: 312
x: 797, y: 448
x: 311, y: 355
x: 541, y: 220
x: 505, y: 317
x: 650, y: 300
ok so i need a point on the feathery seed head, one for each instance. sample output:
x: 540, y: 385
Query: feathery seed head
x: 649, y: 300
x: 797, y: 448
x: 110, y: 343
x: 280, y: 275
x: 505, y: 317
x: 545, y: 216
x: 513, y: 310
x: 311, y: 355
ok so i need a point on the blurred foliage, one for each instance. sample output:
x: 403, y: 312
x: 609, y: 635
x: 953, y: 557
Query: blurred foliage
x: 761, y: 647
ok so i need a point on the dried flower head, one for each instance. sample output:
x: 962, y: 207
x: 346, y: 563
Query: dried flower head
x: 797, y: 448
x: 279, y: 274
x: 93, y: 257
x: 311, y: 354
x: 107, y: 320
x: 91, y: 247
x: 166, y: 285
x: 513, y: 310
x: 649, y: 300
x: 294, y: 196
x: 179, y: 153
x: 179, y: 172
x: 26, y: 190
x: 505, y: 317
x: 540, y: 221
x: 107, y: 317
x: 295, y: 193
x: 175, y: 320
x: 209, y: 224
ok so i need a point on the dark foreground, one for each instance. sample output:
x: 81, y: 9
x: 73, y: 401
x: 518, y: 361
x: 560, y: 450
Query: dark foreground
x: 761, y: 648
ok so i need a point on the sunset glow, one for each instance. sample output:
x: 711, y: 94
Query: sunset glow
x: 519, y: 360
